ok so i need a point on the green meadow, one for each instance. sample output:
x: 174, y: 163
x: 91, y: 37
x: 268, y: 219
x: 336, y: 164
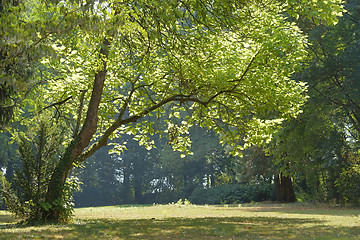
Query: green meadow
x: 174, y: 221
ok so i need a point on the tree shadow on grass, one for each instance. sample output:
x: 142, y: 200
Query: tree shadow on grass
x: 123, y: 206
x: 186, y: 228
x: 302, y: 209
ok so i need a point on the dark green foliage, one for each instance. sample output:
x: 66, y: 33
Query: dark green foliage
x: 232, y: 193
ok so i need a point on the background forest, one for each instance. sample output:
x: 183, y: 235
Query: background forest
x: 313, y: 157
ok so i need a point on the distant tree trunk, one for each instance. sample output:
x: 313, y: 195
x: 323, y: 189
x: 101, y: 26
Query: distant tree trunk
x: 126, y: 186
x: 284, y: 190
x: 212, y: 180
x: 138, y: 192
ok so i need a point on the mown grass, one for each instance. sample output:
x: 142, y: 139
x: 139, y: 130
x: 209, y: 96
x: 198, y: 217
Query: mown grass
x: 250, y: 221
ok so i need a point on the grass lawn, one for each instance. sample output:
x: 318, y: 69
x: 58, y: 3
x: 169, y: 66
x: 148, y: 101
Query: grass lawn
x: 249, y: 221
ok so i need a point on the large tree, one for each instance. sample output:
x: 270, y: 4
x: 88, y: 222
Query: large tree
x: 227, y: 63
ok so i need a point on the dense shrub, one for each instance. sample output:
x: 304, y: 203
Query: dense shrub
x: 39, y: 151
x: 232, y: 193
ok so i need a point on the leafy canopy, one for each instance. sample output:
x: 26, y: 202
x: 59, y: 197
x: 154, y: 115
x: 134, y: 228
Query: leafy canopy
x: 228, y: 63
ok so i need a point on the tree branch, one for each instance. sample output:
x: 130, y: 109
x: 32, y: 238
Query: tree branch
x: 56, y: 104
x: 102, y: 141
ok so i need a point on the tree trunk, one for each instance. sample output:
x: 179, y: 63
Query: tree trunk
x: 80, y: 142
x: 283, y: 187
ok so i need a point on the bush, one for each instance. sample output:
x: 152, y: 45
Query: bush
x: 39, y: 151
x: 232, y: 193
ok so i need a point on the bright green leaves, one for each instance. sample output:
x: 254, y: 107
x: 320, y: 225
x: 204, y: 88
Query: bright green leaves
x: 246, y: 81
x: 319, y: 11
